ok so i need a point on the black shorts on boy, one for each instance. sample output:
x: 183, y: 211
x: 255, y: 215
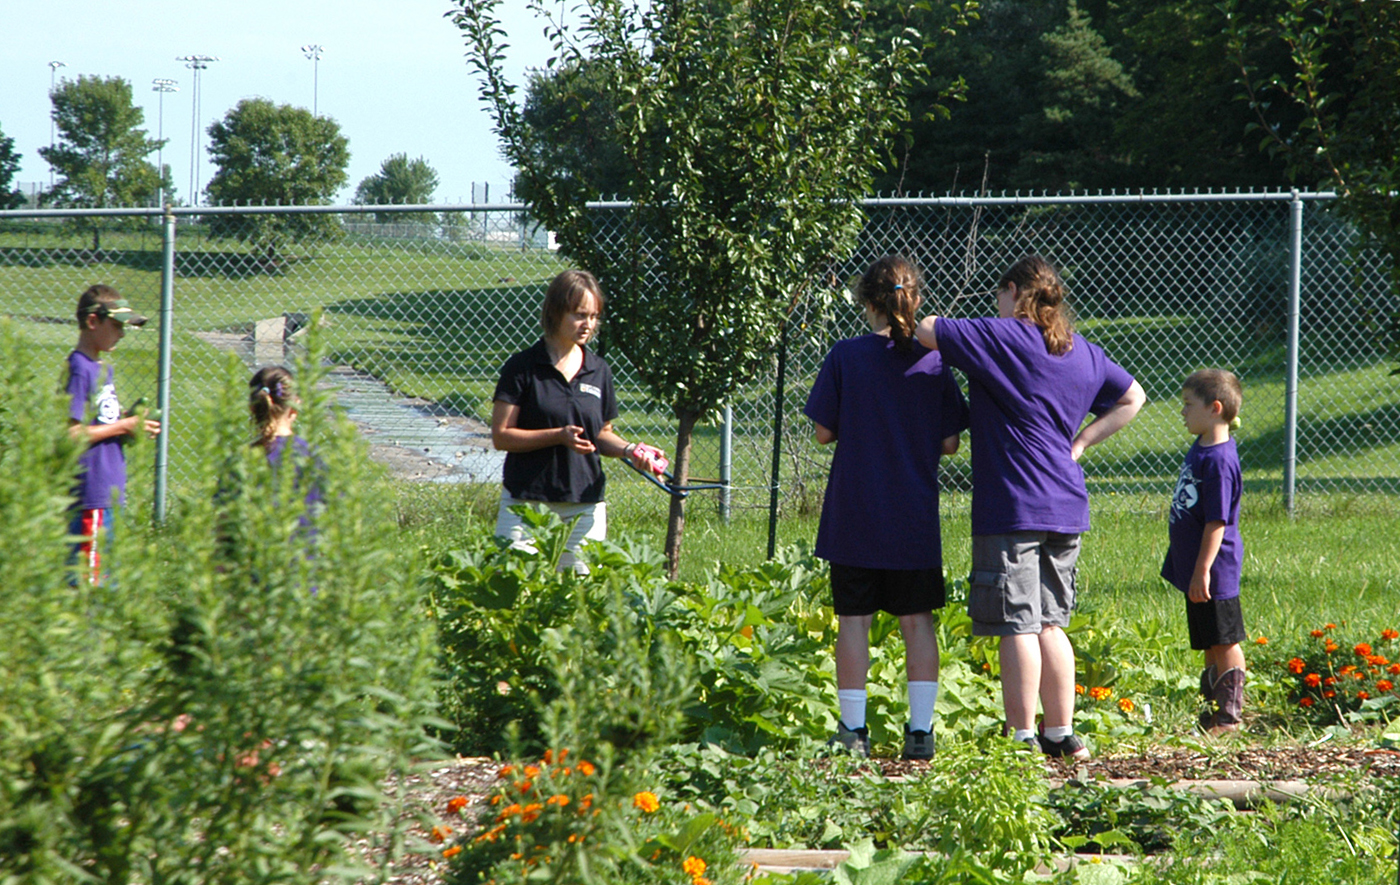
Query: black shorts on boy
x: 1214, y: 622
x: 857, y: 591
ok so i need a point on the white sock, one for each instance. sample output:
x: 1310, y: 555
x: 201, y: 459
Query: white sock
x: 852, y: 707
x: 1059, y: 732
x: 922, y: 696
x: 1023, y: 734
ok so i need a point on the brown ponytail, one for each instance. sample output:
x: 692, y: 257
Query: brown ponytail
x: 270, y: 396
x: 1040, y: 299
x: 891, y: 287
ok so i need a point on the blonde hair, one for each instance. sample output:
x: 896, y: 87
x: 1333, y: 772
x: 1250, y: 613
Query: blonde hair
x: 1040, y: 299
x: 891, y: 286
x: 270, y: 397
x: 1217, y: 385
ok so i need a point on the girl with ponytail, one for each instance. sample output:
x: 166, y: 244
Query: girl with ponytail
x: 892, y: 410
x: 1032, y: 381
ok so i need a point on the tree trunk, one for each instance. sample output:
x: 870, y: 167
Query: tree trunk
x: 680, y: 473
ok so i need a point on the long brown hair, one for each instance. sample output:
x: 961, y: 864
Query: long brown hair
x: 1040, y: 299
x: 270, y: 396
x: 891, y: 286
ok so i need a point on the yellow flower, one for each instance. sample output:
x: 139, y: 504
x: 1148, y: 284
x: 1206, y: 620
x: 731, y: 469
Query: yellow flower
x: 646, y: 801
x: 693, y: 867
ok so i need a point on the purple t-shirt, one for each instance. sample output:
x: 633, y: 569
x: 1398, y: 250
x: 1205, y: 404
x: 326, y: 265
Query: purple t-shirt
x: 1208, y: 490
x: 890, y: 411
x: 1027, y: 405
x: 92, y: 399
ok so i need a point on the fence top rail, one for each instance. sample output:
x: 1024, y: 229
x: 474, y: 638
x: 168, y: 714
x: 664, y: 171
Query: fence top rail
x: 868, y: 202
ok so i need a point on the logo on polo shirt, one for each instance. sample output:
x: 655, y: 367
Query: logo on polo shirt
x: 589, y: 388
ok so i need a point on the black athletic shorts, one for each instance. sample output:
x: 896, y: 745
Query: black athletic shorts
x: 1214, y: 622
x: 864, y: 591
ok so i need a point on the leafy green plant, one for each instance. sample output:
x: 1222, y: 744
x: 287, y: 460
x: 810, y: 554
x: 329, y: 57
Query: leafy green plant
x: 1340, y: 673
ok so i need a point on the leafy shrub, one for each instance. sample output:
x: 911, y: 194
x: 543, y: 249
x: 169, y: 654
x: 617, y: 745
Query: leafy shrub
x: 221, y: 709
x: 1339, y: 674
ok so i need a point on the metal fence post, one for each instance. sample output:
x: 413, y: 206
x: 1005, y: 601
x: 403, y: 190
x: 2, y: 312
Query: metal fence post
x: 167, y: 312
x: 1290, y: 404
x: 726, y: 461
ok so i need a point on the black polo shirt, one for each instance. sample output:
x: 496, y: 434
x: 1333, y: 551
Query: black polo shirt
x: 556, y: 473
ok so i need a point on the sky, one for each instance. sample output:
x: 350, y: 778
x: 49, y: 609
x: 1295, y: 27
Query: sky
x: 392, y: 73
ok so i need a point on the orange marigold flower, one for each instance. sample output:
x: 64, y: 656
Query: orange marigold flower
x: 1100, y: 692
x: 1357, y: 674
x: 1329, y: 693
x: 1331, y: 647
x: 1296, y: 665
x: 693, y: 866
x: 1330, y: 626
x: 505, y: 772
x: 1389, y: 633
x: 1318, y: 634
x: 1363, y: 695
x: 452, y: 852
x: 1313, y: 680
x: 700, y: 880
x: 531, y: 770
x: 548, y: 757
x: 1377, y: 660
x: 1261, y: 640
x: 586, y: 768
x: 440, y: 833
x: 1305, y: 701
x: 1384, y: 685
x: 557, y: 799
x: 1393, y: 669
x: 646, y: 801
x: 457, y: 803
x: 1078, y: 689
x: 1347, y: 668
x: 1126, y: 705
x: 1330, y: 680
x: 585, y: 803
x: 1361, y: 649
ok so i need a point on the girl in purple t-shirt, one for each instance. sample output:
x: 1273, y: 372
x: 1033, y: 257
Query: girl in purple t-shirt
x: 894, y: 410
x: 1032, y: 381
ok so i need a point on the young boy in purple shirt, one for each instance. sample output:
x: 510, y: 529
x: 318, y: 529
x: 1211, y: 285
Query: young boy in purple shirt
x: 1205, y: 554
x: 892, y: 409
x: 95, y: 415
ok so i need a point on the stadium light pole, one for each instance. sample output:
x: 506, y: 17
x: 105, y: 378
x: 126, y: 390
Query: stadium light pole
x: 53, y: 74
x: 313, y: 52
x: 195, y: 63
x: 161, y: 85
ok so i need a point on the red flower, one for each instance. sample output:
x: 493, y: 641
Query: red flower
x: 1393, y: 669
x: 1312, y: 680
x: 1329, y: 693
x: 1331, y: 646
x: 1384, y: 685
x: 1363, y: 695
x: 1305, y: 701
x: 1376, y: 660
x: 1296, y: 666
x: 1330, y: 626
x: 456, y: 803
x: 1389, y: 633
x: 1318, y: 634
x: 1362, y: 649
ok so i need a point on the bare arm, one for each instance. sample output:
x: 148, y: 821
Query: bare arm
x: 1110, y: 422
x: 1211, y: 539
x: 95, y: 433
x: 825, y: 435
x: 507, y: 437
x: 924, y: 333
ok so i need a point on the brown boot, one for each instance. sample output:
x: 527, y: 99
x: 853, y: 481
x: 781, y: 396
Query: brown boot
x: 1207, y: 682
x: 1228, y: 693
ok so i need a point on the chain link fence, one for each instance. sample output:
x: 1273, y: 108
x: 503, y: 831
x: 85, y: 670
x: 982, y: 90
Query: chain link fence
x: 422, y: 305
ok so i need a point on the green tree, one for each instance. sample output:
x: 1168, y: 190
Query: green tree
x: 749, y: 130
x: 1340, y: 120
x: 399, y: 180
x: 269, y: 154
x: 9, y: 165
x: 574, y: 112
x: 101, y: 152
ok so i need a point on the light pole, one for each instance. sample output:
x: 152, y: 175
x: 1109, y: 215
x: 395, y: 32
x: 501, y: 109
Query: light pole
x: 195, y: 63
x: 313, y: 52
x: 53, y: 72
x: 162, y: 86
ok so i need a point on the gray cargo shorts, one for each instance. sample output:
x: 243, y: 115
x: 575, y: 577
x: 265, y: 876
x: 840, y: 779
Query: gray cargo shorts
x: 1021, y: 582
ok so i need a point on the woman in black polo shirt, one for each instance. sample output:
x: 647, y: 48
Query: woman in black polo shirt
x: 552, y: 416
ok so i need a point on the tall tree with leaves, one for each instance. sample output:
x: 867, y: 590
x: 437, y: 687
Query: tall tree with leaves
x: 399, y: 180
x: 9, y: 165
x: 749, y: 130
x: 270, y: 154
x: 101, y: 153
x: 1346, y: 83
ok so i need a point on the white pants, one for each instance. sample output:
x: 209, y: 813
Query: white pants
x: 592, y: 523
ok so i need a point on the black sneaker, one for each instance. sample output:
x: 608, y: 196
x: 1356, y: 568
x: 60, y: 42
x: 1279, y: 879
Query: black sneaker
x: 1066, y: 746
x: 857, y: 740
x: 917, y: 744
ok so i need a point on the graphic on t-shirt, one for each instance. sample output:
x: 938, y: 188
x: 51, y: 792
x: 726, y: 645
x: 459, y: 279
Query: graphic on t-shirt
x: 1185, y: 496
x: 109, y: 411
x: 589, y: 388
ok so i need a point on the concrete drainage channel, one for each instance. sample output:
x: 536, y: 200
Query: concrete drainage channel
x: 415, y: 438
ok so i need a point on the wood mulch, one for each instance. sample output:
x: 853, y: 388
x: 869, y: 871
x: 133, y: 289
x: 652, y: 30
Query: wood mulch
x: 429, y: 792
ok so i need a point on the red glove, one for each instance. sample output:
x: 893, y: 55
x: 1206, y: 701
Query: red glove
x: 650, y: 458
